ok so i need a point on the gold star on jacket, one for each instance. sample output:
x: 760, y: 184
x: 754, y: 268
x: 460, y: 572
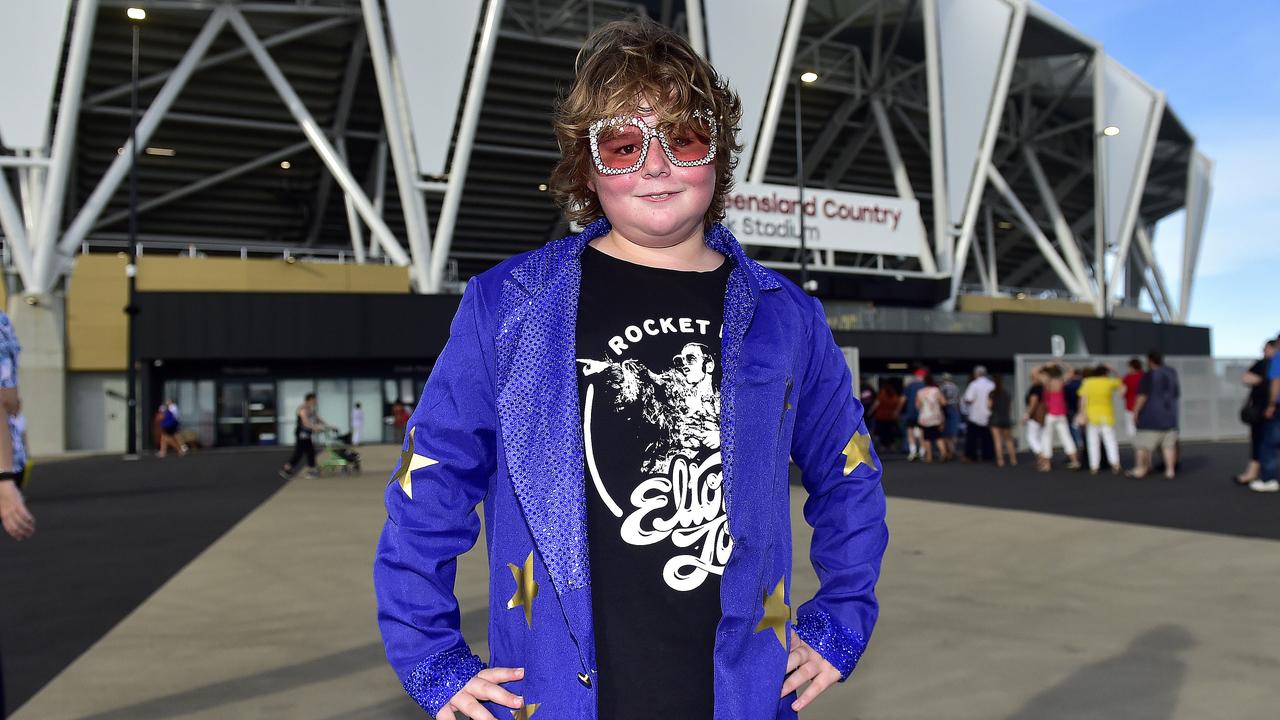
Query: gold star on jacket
x: 526, y: 590
x: 524, y: 712
x: 857, y: 452
x: 410, y: 461
x: 776, y: 613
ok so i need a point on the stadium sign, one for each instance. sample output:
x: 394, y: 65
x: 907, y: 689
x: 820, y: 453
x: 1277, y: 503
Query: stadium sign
x: 764, y: 214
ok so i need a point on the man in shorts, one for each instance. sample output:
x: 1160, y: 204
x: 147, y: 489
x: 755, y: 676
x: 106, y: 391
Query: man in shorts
x: 1156, y: 413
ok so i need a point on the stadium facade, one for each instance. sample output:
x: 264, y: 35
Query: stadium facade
x: 316, y: 179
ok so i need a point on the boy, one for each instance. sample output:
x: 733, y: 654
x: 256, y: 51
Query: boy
x: 625, y: 402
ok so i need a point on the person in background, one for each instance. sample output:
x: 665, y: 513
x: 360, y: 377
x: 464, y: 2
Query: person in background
x: 16, y: 519
x: 307, y: 424
x: 18, y: 432
x: 888, y: 413
x: 1131, y: 381
x: 1056, y: 421
x: 1072, y: 389
x: 399, y: 421
x: 1255, y: 406
x: 1033, y: 411
x: 951, y: 427
x: 357, y: 423
x: 976, y: 407
x: 1000, y: 402
x: 867, y: 396
x: 911, y: 413
x: 1269, y: 454
x: 1156, y: 411
x: 169, y: 426
x: 930, y: 415
x: 1097, y: 411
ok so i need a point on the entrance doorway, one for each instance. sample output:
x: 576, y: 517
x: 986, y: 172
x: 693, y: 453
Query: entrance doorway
x: 247, y: 413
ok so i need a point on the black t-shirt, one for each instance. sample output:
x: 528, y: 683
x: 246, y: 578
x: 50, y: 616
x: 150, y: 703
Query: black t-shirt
x: 1260, y: 394
x: 648, y: 344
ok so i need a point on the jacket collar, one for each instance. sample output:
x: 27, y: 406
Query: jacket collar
x: 545, y: 265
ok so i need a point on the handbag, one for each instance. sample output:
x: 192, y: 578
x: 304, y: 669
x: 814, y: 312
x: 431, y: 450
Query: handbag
x: 1250, y: 413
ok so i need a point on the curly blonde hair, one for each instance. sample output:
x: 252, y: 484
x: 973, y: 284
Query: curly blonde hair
x: 621, y: 63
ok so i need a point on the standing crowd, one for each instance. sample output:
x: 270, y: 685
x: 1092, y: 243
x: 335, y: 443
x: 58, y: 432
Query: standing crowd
x: 1072, y: 408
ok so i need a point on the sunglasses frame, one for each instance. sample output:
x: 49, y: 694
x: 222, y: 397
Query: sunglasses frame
x: 593, y: 135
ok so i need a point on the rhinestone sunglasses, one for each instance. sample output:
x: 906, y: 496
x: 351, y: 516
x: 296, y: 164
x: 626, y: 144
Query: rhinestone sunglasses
x: 620, y: 145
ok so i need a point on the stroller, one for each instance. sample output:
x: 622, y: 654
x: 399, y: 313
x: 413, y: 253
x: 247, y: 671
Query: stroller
x: 336, y: 453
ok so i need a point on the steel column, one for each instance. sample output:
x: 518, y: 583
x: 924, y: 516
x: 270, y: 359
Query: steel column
x: 781, y: 76
x: 900, y: 179
x: 401, y: 147
x: 44, y: 240
x: 466, y: 138
x: 696, y: 26
x: 14, y: 231
x: 944, y: 243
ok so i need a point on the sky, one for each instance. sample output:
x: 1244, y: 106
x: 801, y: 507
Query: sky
x: 1219, y: 65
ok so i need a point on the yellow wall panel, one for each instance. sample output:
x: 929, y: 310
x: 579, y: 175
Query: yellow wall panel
x: 96, y: 296
x: 985, y: 303
x: 181, y: 274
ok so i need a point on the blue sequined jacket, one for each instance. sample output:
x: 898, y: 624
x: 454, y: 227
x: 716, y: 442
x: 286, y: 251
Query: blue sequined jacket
x: 499, y: 422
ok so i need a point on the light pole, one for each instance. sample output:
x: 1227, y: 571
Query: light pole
x: 805, y: 77
x: 1100, y: 244
x: 136, y: 16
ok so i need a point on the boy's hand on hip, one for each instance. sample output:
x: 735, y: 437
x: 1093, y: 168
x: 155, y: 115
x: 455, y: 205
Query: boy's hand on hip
x: 484, y: 685
x: 804, y: 664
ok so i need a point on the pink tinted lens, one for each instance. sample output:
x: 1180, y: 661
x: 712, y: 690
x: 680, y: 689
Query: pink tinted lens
x: 620, y: 146
x: 689, y: 142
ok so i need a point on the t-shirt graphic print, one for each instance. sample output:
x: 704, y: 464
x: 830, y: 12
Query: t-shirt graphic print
x: 648, y: 364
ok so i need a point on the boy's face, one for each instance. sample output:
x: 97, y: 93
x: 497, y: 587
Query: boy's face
x: 661, y: 204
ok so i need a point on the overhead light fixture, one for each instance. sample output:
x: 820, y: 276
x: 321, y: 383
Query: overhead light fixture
x: 285, y: 164
x: 897, y: 366
x: 1111, y: 131
x: 1004, y: 225
x: 542, y: 187
x: 136, y: 13
x: 808, y: 76
x: 162, y: 152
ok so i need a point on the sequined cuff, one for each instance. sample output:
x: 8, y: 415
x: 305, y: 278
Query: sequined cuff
x: 841, y: 646
x: 441, y: 676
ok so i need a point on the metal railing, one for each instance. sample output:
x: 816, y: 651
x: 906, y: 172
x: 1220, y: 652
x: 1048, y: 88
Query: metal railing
x: 845, y: 316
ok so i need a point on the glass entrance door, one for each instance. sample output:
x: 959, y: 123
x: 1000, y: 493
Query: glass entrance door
x: 247, y: 413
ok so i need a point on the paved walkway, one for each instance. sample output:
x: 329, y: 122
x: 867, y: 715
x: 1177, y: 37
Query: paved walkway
x: 987, y: 613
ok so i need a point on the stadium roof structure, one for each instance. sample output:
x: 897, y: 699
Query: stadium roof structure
x: 419, y: 133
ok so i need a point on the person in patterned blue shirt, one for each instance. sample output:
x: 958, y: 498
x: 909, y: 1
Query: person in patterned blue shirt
x: 17, y: 520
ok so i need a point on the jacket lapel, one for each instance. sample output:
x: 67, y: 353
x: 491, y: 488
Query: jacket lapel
x: 747, y: 279
x: 538, y: 403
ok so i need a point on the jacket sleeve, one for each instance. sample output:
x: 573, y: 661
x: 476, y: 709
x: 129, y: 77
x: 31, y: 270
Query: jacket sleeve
x: 446, y: 461
x: 845, y: 507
